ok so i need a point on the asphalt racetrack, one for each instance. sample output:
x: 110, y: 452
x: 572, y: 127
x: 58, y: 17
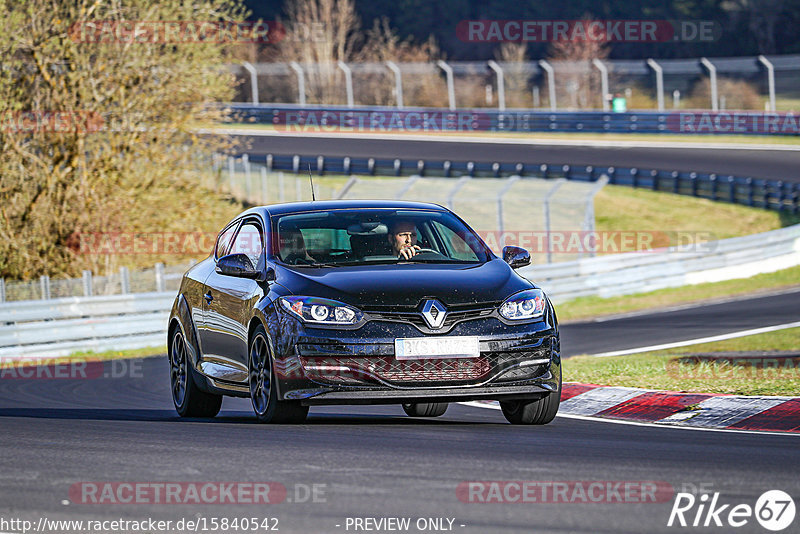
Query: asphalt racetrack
x: 374, y: 462
x: 350, y: 466
x: 777, y: 164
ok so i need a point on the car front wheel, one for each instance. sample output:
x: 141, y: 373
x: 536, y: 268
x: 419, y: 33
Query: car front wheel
x: 425, y: 409
x: 536, y: 412
x: 189, y: 400
x: 263, y: 390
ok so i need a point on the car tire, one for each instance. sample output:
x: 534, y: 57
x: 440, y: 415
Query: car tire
x: 189, y: 400
x: 425, y: 409
x: 536, y: 412
x: 263, y: 390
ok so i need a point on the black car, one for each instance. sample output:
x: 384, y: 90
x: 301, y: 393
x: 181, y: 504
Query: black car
x: 361, y: 302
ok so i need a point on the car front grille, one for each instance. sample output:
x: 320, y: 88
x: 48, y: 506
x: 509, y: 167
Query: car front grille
x: 349, y: 370
x: 414, y: 317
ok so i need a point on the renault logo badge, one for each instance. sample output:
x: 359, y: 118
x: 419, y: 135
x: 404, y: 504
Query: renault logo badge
x: 434, y: 313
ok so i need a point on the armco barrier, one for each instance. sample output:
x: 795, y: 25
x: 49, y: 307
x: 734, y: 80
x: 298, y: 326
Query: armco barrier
x: 294, y: 118
x: 747, y: 191
x: 58, y: 327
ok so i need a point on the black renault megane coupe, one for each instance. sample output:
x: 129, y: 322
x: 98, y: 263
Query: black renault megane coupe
x: 361, y: 302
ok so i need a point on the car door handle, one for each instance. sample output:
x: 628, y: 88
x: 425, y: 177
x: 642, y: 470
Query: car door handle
x: 208, y: 297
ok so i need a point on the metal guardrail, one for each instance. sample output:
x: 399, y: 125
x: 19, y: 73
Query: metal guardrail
x: 293, y: 117
x: 747, y: 191
x: 59, y: 327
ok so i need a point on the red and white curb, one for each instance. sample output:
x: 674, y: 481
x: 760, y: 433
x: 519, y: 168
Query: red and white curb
x: 691, y: 410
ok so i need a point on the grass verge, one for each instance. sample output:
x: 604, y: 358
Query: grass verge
x: 665, y: 369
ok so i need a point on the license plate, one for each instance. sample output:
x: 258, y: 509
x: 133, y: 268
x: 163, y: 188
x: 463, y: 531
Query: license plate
x: 420, y: 348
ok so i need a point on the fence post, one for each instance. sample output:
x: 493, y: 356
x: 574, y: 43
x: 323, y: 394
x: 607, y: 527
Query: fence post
x: 2, y: 290
x: 451, y: 87
x: 253, y: 81
x: 551, y: 82
x: 301, y: 82
x: 508, y: 185
x: 501, y: 86
x: 588, y: 220
x: 87, y: 283
x: 546, y: 205
x: 635, y: 177
x: 655, y: 178
x: 676, y: 182
x: 264, y: 185
x: 125, y: 280
x: 712, y: 72
x: 231, y: 171
x: 398, y: 82
x: 603, y: 82
x: 246, y: 164
x: 750, y: 190
x: 693, y: 179
x: 44, y: 282
x: 160, y: 282
x: 770, y: 81
x: 659, y: 82
x: 281, y: 189
x: 348, y: 82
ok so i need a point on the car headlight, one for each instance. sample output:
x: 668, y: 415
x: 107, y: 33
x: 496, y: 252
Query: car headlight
x: 320, y: 311
x: 528, y: 304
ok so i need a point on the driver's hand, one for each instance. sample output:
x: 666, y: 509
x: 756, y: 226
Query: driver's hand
x: 407, y: 253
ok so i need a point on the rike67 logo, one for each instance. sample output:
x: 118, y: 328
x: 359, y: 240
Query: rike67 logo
x: 774, y: 510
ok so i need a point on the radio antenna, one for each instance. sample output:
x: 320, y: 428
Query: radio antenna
x: 313, y: 197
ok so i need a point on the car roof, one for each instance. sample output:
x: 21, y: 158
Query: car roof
x: 322, y: 205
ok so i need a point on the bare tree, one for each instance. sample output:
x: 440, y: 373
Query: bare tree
x: 322, y: 33
x: 576, y: 76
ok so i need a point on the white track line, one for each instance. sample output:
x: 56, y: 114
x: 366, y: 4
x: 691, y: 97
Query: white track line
x: 639, y: 423
x: 721, y: 337
x: 447, y: 138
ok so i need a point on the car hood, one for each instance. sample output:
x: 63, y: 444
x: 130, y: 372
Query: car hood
x: 405, y: 284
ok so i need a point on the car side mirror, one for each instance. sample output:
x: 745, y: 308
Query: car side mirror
x: 516, y: 257
x: 238, y: 265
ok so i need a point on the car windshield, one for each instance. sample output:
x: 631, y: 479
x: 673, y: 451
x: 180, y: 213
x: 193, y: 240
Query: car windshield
x: 360, y: 237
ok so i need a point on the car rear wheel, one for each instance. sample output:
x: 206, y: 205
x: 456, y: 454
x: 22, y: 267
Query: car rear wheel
x: 425, y: 409
x: 189, y: 400
x: 536, y: 412
x: 263, y: 390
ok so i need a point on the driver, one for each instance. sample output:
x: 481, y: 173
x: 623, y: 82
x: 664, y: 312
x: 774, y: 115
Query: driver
x: 292, y: 247
x: 403, y: 238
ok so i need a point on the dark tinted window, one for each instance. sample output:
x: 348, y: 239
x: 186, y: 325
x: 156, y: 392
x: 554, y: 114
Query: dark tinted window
x: 354, y: 237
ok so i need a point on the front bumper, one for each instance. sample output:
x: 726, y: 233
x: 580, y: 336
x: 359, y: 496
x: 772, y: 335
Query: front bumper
x: 325, y: 366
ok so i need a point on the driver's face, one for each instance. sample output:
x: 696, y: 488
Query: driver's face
x: 403, y: 235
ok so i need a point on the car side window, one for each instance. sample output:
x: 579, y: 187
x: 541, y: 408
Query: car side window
x: 458, y: 248
x: 248, y: 241
x: 224, y: 240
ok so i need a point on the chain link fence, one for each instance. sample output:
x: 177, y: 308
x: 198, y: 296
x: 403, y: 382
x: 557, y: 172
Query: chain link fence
x: 770, y: 83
